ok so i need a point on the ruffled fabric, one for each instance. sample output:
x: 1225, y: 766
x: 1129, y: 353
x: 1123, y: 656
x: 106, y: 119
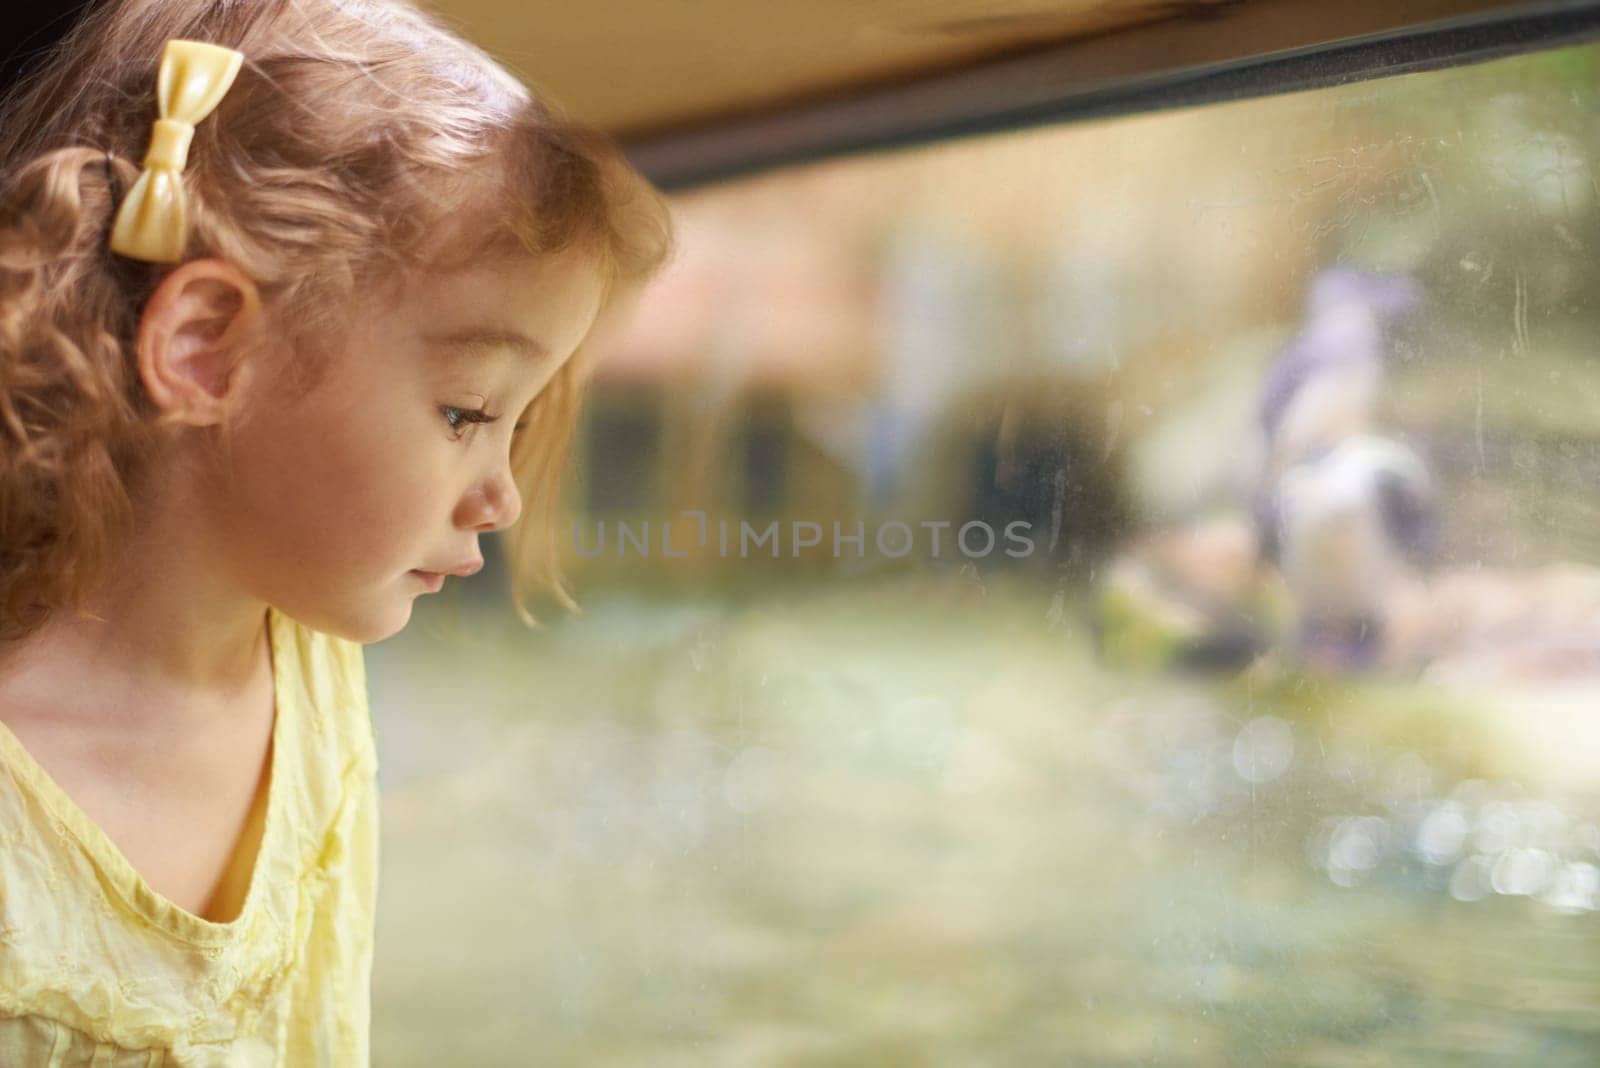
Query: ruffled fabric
x: 97, y: 967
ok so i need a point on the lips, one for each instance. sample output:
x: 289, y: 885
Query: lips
x: 434, y: 580
x: 431, y: 579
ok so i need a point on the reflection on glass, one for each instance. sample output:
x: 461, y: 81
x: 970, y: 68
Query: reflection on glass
x: 1119, y: 594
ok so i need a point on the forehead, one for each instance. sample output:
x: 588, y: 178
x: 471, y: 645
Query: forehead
x: 491, y: 280
x: 543, y: 305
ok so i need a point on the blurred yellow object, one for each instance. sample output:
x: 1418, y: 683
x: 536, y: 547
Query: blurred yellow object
x: 1192, y: 596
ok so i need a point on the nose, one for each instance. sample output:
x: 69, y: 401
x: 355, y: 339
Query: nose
x: 493, y: 504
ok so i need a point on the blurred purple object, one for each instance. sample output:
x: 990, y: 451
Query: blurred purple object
x: 1324, y: 382
x: 1324, y: 386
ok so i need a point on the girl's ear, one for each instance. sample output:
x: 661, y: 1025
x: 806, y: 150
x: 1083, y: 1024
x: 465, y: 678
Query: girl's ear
x: 195, y: 331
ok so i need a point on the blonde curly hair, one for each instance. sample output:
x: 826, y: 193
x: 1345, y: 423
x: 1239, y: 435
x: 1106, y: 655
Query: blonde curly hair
x: 361, y: 138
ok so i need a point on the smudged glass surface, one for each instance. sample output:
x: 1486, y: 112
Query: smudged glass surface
x: 1279, y: 745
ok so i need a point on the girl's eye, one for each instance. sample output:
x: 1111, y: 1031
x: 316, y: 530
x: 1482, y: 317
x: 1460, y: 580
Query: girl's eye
x: 461, y: 419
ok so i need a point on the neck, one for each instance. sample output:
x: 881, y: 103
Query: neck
x: 169, y: 633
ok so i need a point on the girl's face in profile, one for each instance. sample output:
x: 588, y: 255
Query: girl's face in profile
x: 387, y: 467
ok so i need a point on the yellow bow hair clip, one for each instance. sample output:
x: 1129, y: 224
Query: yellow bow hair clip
x: 153, y: 221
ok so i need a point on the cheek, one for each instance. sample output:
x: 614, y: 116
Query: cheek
x: 336, y: 486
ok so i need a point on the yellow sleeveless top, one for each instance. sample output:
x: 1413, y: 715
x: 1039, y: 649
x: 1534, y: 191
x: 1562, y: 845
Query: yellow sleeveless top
x: 96, y: 968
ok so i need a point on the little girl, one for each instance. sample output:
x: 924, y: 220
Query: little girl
x: 295, y: 302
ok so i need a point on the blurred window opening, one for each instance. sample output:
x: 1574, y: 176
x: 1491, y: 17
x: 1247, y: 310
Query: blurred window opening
x: 765, y: 441
x: 624, y: 437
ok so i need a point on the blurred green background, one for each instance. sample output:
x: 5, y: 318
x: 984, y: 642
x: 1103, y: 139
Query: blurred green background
x: 842, y: 808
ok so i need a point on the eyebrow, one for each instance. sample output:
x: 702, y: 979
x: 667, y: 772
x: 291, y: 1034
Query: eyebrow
x: 484, y: 340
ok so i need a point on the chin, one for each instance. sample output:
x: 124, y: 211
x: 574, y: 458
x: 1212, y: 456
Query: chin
x: 390, y: 624
x: 373, y: 621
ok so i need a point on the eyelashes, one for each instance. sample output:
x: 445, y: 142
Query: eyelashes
x: 462, y: 419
